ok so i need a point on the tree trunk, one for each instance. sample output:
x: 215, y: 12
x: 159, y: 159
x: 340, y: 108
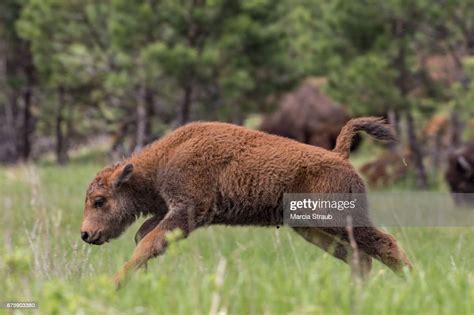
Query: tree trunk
x: 237, y: 115
x: 8, y: 102
x: 150, y: 113
x: 393, y: 121
x: 27, y: 127
x: 28, y: 124
x: 404, y: 88
x: 118, y: 150
x: 417, y: 155
x: 8, y: 144
x: 437, y: 152
x: 455, y: 130
x: 185, y: 105
x: 61, y: 141
x: 141, y: 127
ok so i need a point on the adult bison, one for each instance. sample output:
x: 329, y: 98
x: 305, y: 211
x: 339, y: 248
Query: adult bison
x: 307, y: 115
x: 460, y: 174
x: 215, y: 173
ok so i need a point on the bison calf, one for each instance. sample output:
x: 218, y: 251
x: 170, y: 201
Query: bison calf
x: 216, y: 173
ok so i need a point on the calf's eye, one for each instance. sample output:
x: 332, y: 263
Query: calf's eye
x: 99, y: 202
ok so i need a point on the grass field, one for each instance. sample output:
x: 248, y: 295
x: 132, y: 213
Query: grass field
x: 216, y: 270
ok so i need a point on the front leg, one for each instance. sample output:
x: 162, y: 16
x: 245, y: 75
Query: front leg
x: 154, y: 243
x: 147, y: 227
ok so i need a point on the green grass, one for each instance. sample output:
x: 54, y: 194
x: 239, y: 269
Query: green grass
x: 263, y: 271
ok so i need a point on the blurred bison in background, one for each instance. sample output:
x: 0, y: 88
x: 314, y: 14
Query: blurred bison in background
x: 440, y: 136
x: 307, y: 115
x: 460, y: 174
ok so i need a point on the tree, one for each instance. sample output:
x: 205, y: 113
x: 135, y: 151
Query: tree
x: 144, y: 64
x: 17, y: 83
x: 379, y: 71
x: 223, y: 55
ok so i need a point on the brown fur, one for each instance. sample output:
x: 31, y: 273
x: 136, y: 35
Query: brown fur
x: 308, y: 116
x: 460, y: 173
x: 216, y: 173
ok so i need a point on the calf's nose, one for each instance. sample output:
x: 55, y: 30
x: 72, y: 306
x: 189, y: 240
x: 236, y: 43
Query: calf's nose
x: 84, y: 236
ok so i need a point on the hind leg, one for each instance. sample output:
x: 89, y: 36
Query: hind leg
x: 335, y: 247
x: 382, y: 246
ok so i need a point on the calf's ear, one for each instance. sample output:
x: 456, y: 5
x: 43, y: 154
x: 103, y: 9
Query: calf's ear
x: 122, y: 175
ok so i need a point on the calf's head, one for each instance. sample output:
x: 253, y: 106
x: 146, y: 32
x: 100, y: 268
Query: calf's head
x: 109, y: 207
